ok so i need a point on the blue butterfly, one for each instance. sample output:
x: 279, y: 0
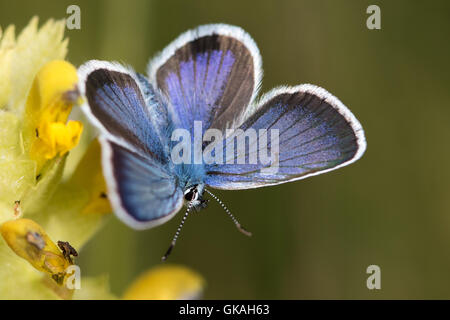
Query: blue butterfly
x: 209, y: 75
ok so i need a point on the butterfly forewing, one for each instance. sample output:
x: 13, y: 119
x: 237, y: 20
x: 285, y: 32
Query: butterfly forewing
x: 210, y: 74
x: 117, y: 105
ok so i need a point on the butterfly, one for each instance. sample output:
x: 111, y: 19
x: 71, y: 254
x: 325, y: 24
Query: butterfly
x: 209, y: 75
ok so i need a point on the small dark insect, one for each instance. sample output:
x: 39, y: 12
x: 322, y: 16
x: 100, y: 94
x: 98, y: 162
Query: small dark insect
x: 103, y: 195
x: 67, y: 250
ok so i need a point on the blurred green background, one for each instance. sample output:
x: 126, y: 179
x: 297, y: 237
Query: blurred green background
x: 313, y: 238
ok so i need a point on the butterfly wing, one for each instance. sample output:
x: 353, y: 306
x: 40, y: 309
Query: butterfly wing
x: 209, y: 74
x: 142, y: 189
x: 123, y: 106
x: 317, y: 134
x: 142, y: 193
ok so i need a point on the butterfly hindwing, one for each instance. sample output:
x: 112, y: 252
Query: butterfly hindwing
x: 209, y: 74
x: 317, y: 133
x: 143, y: 193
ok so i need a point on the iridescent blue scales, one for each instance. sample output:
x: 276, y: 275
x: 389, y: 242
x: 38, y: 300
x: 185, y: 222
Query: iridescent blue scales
x: 211, y: 76
x: 313, y: 137
x: 198, y: 87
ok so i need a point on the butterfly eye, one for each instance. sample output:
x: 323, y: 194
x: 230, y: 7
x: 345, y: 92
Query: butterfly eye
x: 191, y: 194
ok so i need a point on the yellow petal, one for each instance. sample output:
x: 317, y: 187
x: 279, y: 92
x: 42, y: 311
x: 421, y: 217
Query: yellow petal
x: 51, y: 83
x: 89, y: 176
x: 30, y: 242
x: 50, y: 99
x: 168, y: 282
x: 68, y: 136
x: 49, y: 103
x: 56, y: 138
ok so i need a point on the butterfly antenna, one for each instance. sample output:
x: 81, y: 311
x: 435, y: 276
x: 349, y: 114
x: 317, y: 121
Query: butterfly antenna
x: 175, y: 237
x: 238, y: 225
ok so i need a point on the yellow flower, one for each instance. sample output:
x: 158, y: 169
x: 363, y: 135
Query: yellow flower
x: 48, y: 106
x: 168, y: 282
x: 55, y: 138
x: 37, y: 92
x: 21, y: 58
x: 29, y: 241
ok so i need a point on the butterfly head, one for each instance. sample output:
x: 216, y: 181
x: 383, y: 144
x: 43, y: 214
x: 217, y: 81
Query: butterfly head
x: 193, y: 195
